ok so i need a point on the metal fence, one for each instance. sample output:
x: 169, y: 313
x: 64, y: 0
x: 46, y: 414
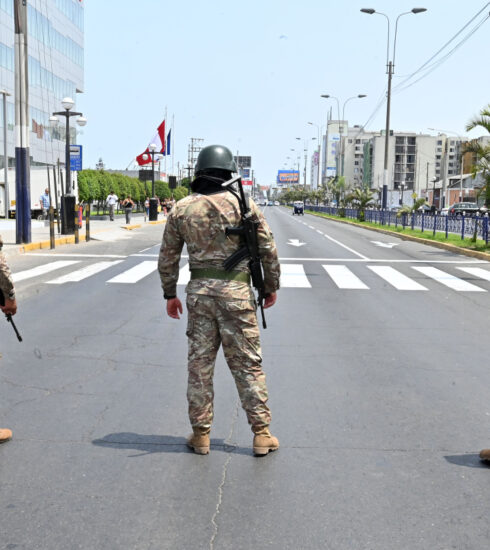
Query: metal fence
x: 465, y: 226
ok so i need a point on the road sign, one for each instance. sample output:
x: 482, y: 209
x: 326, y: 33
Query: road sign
x: 414, y: 195
x: 75, y: 157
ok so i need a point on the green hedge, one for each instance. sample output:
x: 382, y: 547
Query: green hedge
x: 95, y: 185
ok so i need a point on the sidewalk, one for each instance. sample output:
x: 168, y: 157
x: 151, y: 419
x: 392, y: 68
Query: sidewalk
x: 40, y: 232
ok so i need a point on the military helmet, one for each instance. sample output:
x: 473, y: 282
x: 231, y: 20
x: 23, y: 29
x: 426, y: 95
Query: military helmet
x: 215, y: 157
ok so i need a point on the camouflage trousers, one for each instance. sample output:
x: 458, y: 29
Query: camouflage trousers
x: 213, y: 321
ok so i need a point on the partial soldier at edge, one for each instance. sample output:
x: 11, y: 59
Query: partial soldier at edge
x: 221, y: 304
x: 10, y: 308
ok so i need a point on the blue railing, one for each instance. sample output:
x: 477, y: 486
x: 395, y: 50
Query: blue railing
x: 464, y: 226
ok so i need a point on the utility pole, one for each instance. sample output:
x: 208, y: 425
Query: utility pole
x: 5, y: 153
x: 22, y: 166
x: 192, y: 152
x: 444, y: 172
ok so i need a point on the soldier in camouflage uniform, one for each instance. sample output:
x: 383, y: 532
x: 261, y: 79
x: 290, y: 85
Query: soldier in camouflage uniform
x: 7, y: 287
x: 221, y: 305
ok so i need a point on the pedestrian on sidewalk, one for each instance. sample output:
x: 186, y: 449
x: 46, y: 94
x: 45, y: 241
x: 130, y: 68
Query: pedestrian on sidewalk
x: 10, y: 307
x: 111, y: 202
x: 147, y: 208
x: 45, y: 203
x: 221, y: 304
x: 128, y: 204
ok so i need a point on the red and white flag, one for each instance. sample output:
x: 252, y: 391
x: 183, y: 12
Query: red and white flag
x: 159, y: 141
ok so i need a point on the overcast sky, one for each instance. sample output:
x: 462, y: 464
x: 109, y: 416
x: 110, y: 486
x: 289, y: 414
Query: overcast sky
x: 249, y: 75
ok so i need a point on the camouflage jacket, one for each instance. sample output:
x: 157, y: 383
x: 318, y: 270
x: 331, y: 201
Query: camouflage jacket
x: 6, y: 282
x: 200, y: 221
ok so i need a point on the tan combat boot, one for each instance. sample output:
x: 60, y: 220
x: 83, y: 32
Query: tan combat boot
x: 485, y: 455
x: 5, y: 435
x: 199, y: 441
x: 264, y: 442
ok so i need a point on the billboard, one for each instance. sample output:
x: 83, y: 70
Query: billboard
x: 247, y: 182
x: 243, y: 162
x: 287, y: 176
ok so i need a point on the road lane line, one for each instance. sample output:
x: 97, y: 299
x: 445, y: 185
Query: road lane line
x: 135, y: 274
x: 384, y: 260
x: 448, y: 280
x: 395, y: 278
x: 41, y: 270
x: 144, y: 255
x: 80, y: 274
x: 477, y: 272
x: 345, y: 246
x: 343, y: 277
x: 74, y: 255
x: 293, y: 276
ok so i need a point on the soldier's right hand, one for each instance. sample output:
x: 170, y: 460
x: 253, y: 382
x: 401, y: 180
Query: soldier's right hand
x: 10, y: 307
x: 174, y: 306
x: 270, y: 300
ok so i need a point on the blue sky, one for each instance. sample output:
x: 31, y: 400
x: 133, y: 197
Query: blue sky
x: 249, y: 75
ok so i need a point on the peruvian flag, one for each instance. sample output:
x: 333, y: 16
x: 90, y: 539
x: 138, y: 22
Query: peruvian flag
x: 159, y: 140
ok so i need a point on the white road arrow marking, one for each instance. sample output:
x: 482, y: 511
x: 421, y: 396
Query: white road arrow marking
x: 385, y: 245
x: 295, y: 242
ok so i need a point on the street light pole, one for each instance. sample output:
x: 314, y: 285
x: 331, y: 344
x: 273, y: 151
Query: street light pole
x: 390, y: 69
x: 5, y: 153
x: 340, y: 152
x: 68, y: 199
x: 462, y: 163
x: 152, y: 151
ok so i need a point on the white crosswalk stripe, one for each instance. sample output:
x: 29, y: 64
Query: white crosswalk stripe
x: 293, y: 276
x: 343, y: 277
x: 477, y: 272
x: 83, y: 273
x: 448, y: 280
x: 41, y: 270
x: 395, y: 278
x: 135, y: 274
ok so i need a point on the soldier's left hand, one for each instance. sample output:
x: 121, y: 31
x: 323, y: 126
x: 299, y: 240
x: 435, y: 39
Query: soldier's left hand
x: 174, y: 306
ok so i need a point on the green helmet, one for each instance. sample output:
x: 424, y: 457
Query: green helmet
x: 217, y: 157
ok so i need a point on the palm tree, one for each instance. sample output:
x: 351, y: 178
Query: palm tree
x: 361, y: 198
x: 482, y: 153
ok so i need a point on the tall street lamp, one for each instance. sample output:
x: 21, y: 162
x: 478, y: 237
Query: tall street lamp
x: 319, y: 178
x: 390, y: 69
x: 461, y: 138
x: 68, y: 199
x: 152, y: 151
x: 5, y: 154
x: 340, y: 154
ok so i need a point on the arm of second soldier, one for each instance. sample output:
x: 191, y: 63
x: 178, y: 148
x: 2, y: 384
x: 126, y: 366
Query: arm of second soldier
x: 7, y: 287
x: 268, y: 256
x: 168, y: 265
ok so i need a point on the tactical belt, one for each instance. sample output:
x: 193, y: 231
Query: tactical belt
x: 214, y: 273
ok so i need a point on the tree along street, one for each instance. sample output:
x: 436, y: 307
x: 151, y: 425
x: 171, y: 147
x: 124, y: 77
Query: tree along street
x: 378, y: 386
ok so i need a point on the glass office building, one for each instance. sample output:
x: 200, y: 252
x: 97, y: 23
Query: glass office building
x: 55, y: 71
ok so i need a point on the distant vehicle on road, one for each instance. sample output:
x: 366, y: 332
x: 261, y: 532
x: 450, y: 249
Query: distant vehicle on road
x: 298, y: 208
x: 270, y: 203
x: 276, y: 203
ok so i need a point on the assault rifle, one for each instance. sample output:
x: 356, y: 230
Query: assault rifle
x: 247, y: 232
x: 9, y: 317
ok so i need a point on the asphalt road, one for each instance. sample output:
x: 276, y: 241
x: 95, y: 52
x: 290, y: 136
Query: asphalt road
x: 379, y: 388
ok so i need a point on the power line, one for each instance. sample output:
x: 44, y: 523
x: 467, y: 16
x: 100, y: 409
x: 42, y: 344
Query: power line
x: 424, y: 65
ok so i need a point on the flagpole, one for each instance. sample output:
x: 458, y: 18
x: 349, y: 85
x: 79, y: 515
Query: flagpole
x: 172, y: 142
x: 165, y: 164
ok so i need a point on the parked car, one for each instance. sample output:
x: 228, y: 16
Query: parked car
x: 276, y: 203
x: 270, y: 203
x: 457, y: 209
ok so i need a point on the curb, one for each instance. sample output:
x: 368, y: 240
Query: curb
x: 129, y: 227
x: 436, y: 244
x: 157, y: 222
